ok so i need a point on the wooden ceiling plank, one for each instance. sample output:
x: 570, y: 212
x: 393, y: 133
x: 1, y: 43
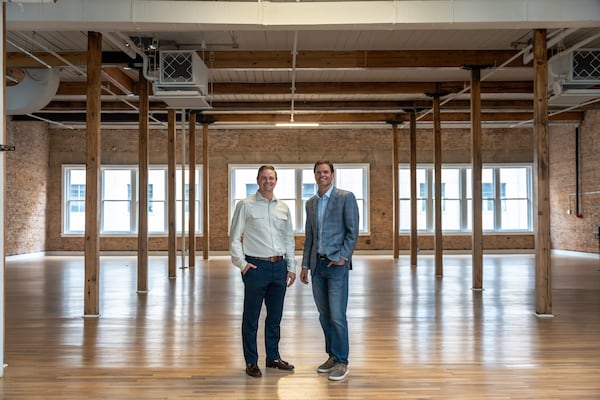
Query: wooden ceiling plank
x: 360, y: 59
x: 305, y: 59
x: 120, y: 79
x: 304, y: 88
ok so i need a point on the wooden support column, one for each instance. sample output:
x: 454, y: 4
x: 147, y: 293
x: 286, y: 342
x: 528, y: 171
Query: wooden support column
x: 476, y: 167
x: 541, y: 181
x: 171, y: 187
x: 192, y: 192
x: 205, y: 193
x: 91, y: 298
x: 143, y: 161
x: 395, y: 191
x: 437, y: 172
x: 414, y: 244
x: 183, y: 191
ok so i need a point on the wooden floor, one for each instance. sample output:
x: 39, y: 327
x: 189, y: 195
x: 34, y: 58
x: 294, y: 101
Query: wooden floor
x: 413, y: 336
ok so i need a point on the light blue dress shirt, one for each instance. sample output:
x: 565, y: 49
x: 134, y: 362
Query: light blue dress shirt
x: 321, y: 207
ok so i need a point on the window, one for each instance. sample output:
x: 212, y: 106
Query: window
x: 451, y: 195
x: 74, y: 199
x: 117, y: 208
x: 296, y: 184
x: 506, y: 198
x: 185, y: 204
x: 119, y: 200
x: 157, y: 200
x: 422, y: 198
x: 488, y: 199
x: 514, y: 185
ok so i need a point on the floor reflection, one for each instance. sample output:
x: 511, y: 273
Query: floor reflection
x: 413, y: 335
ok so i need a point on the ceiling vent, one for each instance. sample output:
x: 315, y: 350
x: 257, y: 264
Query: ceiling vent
x: 574, y: 78
x: 183, y: 80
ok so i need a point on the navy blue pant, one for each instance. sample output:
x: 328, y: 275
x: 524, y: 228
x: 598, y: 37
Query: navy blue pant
x: 265, y: 283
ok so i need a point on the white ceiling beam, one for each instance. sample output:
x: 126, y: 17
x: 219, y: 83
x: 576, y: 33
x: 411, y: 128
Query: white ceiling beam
x: 352, y: 15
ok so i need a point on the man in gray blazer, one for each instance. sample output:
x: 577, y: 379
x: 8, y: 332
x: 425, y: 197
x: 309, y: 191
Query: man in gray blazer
x: 331, y: 232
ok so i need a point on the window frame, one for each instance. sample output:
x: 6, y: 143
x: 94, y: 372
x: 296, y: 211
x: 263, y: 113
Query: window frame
x: 465, y: 200
x: 133, y: 201
x: 300, y: 211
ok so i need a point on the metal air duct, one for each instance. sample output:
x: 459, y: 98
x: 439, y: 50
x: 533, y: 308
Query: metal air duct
x: 34, y: 92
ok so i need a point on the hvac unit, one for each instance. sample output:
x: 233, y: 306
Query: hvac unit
x: 183, y: 80
x: 574, y: 78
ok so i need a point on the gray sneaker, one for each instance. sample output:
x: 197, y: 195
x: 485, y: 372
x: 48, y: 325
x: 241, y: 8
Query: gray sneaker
x: 328, y: 365
x: 339, y: 372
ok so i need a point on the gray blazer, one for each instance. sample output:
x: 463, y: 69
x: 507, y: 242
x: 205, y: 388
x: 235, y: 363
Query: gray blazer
x: 340, y: 228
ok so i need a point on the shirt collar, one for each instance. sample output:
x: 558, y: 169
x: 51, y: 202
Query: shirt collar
x: 327, y: 193
x: 261, y: 197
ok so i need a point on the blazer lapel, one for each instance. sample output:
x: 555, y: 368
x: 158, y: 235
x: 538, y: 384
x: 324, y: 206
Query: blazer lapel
x: 331, y: 204
x: 314, y: 211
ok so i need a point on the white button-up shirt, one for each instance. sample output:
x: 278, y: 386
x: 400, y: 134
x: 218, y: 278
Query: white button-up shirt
x: 261, y: 228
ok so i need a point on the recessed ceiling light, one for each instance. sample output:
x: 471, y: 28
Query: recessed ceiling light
x: 297, y: 124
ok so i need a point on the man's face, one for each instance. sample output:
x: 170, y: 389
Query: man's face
x: 323, y: 176
x: 266, y: 181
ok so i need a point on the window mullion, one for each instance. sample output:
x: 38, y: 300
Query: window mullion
x: 463, y: 200
x: 529, y: 196
x: 67, y: 197
x: 134, y: 204
x: 299, y: 203
x: 497, y: 200
x: 430, y: 202
x: 102, y: 173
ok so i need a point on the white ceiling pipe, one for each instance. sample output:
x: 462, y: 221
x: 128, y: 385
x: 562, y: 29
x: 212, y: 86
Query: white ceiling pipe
x: 551, y: 43
x: 129, y: 43
x: 28, y: 53
x: 45, y: 48
x: 579, y: 45
x: 120, y: 44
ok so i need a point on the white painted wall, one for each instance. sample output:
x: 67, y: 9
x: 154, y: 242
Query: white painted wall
x: 2, y: 169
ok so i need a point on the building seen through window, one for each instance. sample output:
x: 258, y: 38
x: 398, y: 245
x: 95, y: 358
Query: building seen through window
x: 119, y: 201
x: 505, y: 191
x: 296, y: 184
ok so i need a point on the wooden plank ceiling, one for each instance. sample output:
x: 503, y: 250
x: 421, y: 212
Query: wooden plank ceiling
x: 370, y: 77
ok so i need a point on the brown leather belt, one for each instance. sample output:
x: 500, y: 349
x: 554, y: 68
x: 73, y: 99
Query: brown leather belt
x: 272, y: 259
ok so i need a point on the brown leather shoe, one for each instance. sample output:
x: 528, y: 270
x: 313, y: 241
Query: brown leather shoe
x: 253, y: 370
x: 280, y: 364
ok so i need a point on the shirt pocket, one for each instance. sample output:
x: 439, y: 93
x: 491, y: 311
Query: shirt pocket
x: 258, y: 216
x: 280, y: 220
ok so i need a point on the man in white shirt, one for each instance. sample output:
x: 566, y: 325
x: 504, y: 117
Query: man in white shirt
x: 262, y: 247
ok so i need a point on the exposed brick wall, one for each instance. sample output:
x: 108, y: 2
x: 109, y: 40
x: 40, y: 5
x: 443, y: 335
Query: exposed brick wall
x: 288, y: 146
x: 26, y: 188
x: 570, y: 231
x: 34, y: 213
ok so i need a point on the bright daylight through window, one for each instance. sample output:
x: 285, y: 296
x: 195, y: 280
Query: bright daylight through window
x: 296, y: 184
x: 506, y: 196
x: 119, y: 202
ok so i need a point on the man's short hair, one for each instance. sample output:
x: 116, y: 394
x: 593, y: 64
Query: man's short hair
x: 323, y: 162
x: 267, y: 166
